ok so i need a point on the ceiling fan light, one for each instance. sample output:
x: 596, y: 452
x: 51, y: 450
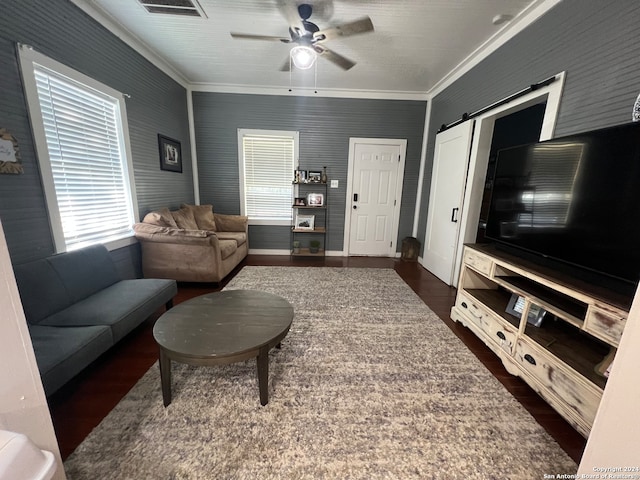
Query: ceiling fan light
x: 303, y: 57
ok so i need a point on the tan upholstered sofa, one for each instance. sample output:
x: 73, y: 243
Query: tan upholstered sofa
x: 192, y: 244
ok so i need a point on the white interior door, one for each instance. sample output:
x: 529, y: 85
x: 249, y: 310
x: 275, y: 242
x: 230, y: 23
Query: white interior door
x: 374, y: 194
x: 450, y: 161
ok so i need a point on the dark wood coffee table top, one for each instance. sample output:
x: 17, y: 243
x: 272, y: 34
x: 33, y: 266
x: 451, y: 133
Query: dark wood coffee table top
x: 223, y: 324
x: 220, y: 328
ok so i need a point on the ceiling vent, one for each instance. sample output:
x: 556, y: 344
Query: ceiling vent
x: 174, y: 7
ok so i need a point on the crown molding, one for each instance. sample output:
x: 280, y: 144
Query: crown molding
x: 529, y: 15
x: 107, y: 21
x: 308, y: 92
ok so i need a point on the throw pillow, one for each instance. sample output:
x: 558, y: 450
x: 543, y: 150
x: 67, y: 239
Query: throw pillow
x: 153, y: 218
x: 203, y: 215
x: 161, y: 218
x: 184, y: 219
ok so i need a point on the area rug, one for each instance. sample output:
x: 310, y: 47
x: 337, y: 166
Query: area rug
x: 369, y: 384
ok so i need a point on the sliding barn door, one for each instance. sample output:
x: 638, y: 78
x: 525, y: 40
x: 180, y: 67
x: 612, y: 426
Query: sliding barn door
x: 450, y: 163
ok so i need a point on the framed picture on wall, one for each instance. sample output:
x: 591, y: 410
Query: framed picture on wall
x: 170, y: 154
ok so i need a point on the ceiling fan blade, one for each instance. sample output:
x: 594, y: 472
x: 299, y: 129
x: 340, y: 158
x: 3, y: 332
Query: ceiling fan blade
x: 250, y: 36
x: 334, y: 57
x: 289, y: 11
x: 286, y: 66
x: 356, y: 27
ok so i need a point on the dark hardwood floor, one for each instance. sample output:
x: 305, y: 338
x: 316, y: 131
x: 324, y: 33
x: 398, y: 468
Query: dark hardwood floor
x: 81, y: 404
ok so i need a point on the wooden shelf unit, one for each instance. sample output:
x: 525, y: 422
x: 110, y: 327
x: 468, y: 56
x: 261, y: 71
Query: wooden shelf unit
x: 319, y: 232
x: 558, y: 358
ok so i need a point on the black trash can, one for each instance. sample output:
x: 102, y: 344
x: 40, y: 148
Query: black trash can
x: 410, y: 249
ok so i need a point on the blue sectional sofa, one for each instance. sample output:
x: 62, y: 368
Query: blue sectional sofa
x: 77, y: 307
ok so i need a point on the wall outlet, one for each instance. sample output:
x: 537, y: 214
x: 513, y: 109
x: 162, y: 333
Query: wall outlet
x: 334, y: 183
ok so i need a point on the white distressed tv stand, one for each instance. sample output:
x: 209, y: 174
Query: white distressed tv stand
x: 563, y: 358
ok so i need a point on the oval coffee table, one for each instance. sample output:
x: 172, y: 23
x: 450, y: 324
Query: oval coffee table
x: 221, y: 328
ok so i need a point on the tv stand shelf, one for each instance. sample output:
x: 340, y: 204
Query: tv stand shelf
x: 573, y: 311
x: 564, y: 356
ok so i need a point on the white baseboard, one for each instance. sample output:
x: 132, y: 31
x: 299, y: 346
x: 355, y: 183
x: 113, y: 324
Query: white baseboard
x: 264, y: 251
x: 280, y: 251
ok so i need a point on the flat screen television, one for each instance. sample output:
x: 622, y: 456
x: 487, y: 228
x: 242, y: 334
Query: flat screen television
x: 573, y: 202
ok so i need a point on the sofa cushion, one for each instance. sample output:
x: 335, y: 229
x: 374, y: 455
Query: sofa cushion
x: 227, y: 248
x: 161, y: 218
x: 61, y: 353
x: 41, y: 291
x: 184, y: 219
x: 85, y: 272
x: 230, y: 223
x: 203, y: 215
x: 238, y: 237
x: 121, y: 306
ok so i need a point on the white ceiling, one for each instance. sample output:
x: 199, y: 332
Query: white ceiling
x: 416, y: 43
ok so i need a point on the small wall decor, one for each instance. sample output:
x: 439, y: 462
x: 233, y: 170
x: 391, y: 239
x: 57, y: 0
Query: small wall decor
x: 9, y: 153
x: 170, y: 154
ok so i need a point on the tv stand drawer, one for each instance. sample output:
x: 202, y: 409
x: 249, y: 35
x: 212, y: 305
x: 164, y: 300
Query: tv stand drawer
x: 478, y: 261
x: 580, y: 400
x: 607, y: 325
x: 497, y: 331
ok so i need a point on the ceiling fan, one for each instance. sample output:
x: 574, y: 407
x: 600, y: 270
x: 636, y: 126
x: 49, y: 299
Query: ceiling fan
x: 310, y: 39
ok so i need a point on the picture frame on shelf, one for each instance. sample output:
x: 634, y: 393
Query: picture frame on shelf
x: 314, y: 176
x: 170, y: 154
x: 300, y: 202
x: 536, y: 313
x: 300, y: 176
x: 515, y: 305
x: 305, y: 222
x: 315, y: 200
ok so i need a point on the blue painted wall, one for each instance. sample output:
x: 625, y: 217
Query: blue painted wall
x: 325, y: 126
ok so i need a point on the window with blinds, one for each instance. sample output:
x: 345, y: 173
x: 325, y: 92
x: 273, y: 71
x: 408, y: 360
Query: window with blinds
x: 84, y: 165
x: 266, y: 171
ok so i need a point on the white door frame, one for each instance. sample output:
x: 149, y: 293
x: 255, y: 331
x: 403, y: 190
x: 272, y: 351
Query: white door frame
x: 481, y: 147
x: 402, y: 144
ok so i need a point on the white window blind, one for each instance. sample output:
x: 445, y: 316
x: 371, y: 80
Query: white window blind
x: 87, y: 159
x: 267, y: 173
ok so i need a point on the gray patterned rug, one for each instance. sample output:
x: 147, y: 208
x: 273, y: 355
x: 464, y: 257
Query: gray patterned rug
x: 369, y: 384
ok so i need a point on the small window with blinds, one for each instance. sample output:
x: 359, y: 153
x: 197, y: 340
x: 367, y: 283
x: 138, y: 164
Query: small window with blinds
x: 267, y: 159
x: 80, y: 139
